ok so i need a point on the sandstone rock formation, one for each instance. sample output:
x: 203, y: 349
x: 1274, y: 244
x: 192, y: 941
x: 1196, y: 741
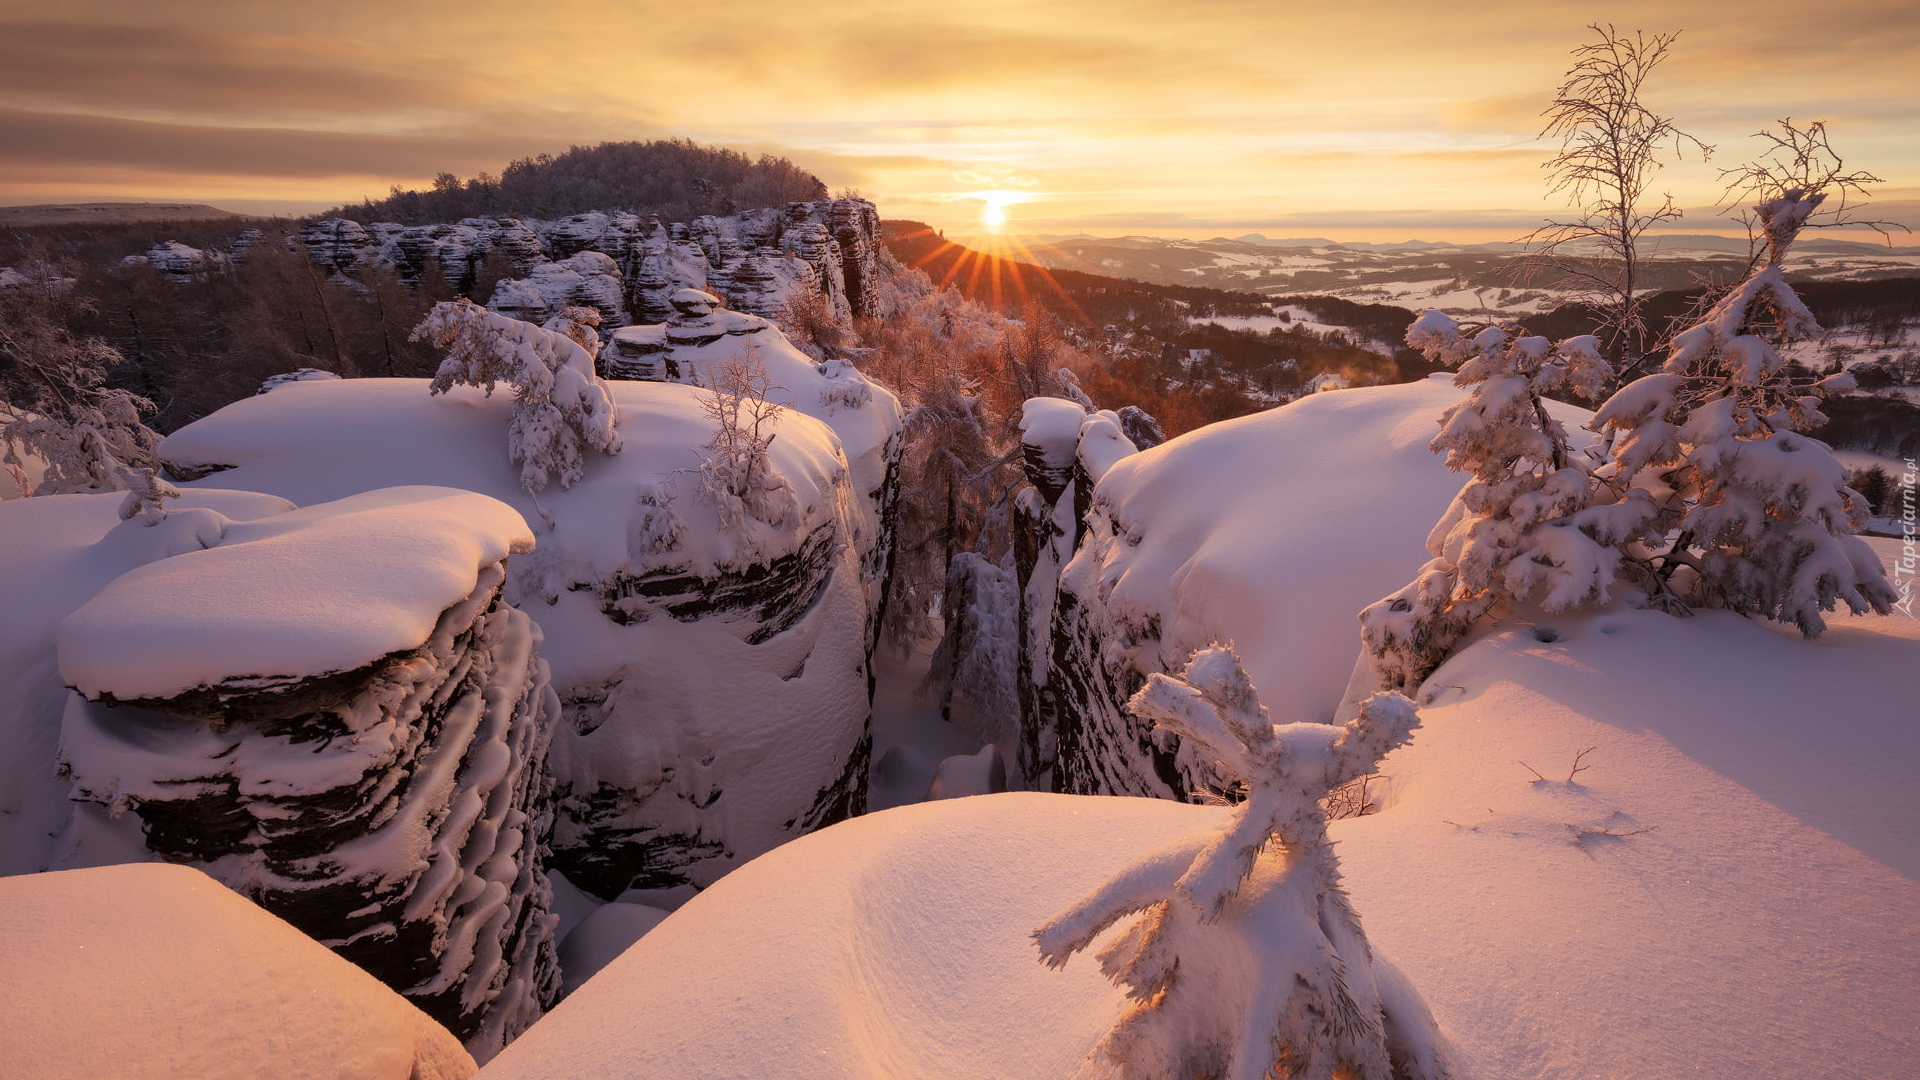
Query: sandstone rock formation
x: 330, y: 711
x: 756, y: 259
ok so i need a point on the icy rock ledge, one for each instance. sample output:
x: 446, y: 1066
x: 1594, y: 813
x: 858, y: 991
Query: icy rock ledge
x: 332, y: 713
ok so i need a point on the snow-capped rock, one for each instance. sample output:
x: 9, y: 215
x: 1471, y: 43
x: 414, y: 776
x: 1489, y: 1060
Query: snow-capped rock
x: 178, y: 262
x: 329, y: 710
x: 713, y: 681
x: 1271, y: 532
x: 757, y: 258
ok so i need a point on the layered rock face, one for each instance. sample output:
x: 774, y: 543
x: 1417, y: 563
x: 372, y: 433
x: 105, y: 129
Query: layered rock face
x: 713, y: 678
x: 331, y: 711
x: 756, y: 259
x: 177, y: 262
x: 700, y: 336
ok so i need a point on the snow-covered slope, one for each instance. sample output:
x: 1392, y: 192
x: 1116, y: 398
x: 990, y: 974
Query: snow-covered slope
x: 892, y: 945
x: 1268, y: 532
x: 1726, y: 891
x: 154, y: 972
x: 713, y: 680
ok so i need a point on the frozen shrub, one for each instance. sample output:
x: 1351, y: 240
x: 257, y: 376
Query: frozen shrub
x: 736, y: 473
x: 1246, y: 959
x: 561, y: 408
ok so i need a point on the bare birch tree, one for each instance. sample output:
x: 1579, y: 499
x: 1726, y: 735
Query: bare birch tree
x: 1610, y: 148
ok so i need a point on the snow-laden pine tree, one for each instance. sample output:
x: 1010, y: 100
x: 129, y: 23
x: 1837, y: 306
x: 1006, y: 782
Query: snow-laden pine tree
x: 1247, y: 960
x: 1757, y: 517
x: 1531, y: 522
x: 560, y: 407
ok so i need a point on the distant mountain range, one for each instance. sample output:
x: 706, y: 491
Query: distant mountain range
x: 109, y: 213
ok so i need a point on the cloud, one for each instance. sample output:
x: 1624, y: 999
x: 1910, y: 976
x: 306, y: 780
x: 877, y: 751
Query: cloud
x: 56, y: 141
x: 184, y: 70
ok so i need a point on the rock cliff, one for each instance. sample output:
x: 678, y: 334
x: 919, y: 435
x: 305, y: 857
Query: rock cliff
x: 712, y: 679
x: 755, y: 259
x: 328, y: 710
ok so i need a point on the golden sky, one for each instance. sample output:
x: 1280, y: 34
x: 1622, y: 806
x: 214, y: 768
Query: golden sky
x: 1357, y: 119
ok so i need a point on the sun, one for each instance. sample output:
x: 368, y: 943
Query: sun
x: 993, y: 206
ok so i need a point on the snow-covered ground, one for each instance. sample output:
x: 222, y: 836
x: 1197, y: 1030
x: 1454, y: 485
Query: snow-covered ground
x: 1726, y: 889
x: 1622, y: 844
x: 156, y: 971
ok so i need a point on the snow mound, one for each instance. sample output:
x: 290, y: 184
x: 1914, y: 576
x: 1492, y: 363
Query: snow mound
x: 1727, y: 886
x: 894, y: 944
x: 160, y: 972
x: 1270, y: 532
x: 328, y: 588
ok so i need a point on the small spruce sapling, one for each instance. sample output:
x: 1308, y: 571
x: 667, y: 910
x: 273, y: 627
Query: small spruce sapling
x: 560, y: 407
x: 1531, y: 523
x: 146, y: 496
x: 1247, y: 960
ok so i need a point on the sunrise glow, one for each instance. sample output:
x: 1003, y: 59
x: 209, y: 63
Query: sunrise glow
x: 1106, y: 118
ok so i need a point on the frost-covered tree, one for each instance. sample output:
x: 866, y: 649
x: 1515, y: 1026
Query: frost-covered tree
x: 736, y: 471
x: 1247, y: 960
x: 62, y: 411
x: 1531, y: 522
x: 561, y: 409
x: 1759, y: 515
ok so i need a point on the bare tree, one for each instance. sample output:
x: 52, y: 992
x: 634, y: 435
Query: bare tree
x: 1610, y: 147
x: 737, y: 473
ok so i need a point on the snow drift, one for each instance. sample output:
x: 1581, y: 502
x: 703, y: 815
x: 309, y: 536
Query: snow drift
x: 161, y: 973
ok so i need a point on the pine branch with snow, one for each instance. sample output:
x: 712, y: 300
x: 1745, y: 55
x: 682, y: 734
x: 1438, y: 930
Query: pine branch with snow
x: 561, y: 408
x: 1531, y: 523
x: 1247, y: 959
x: 1761, y: 518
